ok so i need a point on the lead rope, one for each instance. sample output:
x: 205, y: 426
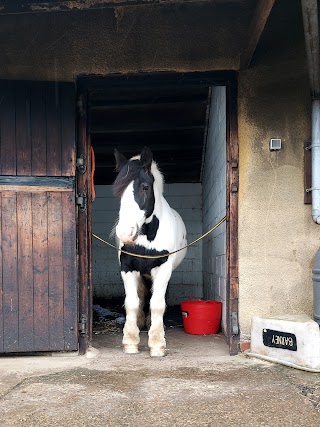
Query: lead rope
x: 164, y: 255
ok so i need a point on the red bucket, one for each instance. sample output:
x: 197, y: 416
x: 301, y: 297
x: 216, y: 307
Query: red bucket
x: 201, y: 317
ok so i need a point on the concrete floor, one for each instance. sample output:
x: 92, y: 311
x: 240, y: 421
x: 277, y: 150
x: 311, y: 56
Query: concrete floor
x: 196, y: 384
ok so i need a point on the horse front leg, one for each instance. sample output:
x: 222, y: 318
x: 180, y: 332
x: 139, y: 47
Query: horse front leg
x: 131, y: 337
x: 161, y: 276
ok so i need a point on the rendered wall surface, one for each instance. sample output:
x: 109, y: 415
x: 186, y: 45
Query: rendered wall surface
x: 277, y: 237
x: 178, y: 37
x: 214, y: 202
x: 186, y: 280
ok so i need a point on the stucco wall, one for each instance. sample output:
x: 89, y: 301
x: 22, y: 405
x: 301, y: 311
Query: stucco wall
x: 179, y: 37
x: 277, y: 237
x: 214, y: 202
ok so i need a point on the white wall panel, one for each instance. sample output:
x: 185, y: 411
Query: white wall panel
x: 214, y: 201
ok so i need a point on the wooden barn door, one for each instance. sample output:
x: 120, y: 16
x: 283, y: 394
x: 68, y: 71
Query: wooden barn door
x: 38, y: 280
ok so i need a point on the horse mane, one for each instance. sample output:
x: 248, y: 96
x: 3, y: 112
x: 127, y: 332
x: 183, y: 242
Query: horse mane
x: 130, y: 172
x: 158, y: 177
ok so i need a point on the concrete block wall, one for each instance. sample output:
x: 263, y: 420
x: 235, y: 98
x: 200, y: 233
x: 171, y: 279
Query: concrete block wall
x: 186, y: 280
x: 214, y: 202
x: 105, y: 266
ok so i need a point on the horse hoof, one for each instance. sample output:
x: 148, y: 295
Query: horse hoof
x: 157, y: 352
x: 130, y: 349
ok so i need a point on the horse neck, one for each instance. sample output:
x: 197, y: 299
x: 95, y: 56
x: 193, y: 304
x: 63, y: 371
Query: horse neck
x: 161, y: 206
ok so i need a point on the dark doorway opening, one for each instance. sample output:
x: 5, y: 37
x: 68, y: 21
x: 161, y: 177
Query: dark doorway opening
x: 169, y: 113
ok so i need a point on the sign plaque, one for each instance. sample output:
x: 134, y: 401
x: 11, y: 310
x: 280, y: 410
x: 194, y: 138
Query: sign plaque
x: 279, y: 339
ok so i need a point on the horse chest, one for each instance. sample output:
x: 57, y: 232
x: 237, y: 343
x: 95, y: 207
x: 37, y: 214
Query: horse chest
x: 143, y: 265
x: 150, y: 229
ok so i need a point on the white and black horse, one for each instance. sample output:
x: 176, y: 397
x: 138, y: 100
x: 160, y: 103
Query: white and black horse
x: 147, y: 225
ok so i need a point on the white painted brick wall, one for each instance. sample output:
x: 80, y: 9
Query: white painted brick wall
x: 186, y: 280
x: 214, y: 202
x: 105, y: 267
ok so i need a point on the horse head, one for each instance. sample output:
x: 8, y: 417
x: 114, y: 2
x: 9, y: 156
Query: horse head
x: 135, y: 187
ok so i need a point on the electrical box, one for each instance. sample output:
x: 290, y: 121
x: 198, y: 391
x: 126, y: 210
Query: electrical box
x: 275, y: 144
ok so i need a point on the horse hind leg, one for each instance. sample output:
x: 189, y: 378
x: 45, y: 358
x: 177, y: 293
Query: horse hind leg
x: 146, y: 303
x: 142, y: 292
x: 131, y: 331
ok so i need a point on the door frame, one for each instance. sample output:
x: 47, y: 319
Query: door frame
x: 87, y: 84
x: 84, y: 221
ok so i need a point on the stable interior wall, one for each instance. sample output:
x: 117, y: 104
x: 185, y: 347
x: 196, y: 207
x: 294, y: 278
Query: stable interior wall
x: 186, y: 280
x: 214, y: 202
x: 202, y: 274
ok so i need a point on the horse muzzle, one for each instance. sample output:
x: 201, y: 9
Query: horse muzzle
x: 128, y: 236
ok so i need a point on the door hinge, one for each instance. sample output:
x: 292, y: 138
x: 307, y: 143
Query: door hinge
x: 234, y: 164
x: 83, y: 325
x: 80, y: 164
x: 234, y: 323
x: 81, y: 201
x: 234, y: 188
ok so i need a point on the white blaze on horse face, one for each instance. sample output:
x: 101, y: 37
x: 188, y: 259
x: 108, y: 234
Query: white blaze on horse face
x: 131, y: 217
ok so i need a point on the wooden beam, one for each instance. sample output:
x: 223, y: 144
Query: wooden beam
x: 232, y: 254
x: 181, y: 105
x: 36, y: 184
x: 259, y: 20
x: 145, y: 128
x: 84, y: 229
x: 9, y: 7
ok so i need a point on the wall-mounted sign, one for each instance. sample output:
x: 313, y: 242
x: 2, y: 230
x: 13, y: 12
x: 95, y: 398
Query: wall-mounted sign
x: 279, y: 339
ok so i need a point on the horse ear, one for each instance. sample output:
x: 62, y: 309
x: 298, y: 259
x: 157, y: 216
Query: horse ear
x: 146, y: 157
x: 121, y: 160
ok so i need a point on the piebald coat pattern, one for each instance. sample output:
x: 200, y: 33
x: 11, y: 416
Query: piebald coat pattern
x: 147, y: 225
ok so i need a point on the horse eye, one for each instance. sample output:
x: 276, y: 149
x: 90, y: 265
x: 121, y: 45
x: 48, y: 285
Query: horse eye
x: 145, y: 187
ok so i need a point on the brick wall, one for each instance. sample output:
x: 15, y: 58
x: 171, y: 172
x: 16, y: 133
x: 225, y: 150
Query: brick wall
x: 105, y: 266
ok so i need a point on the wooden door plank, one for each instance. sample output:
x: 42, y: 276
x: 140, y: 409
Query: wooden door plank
x: 53, y: 124
x: 67, y: 92
x: 23, y: 128
x: 10, y: 298
x: 33, y: 189
x: 36, y: 183
x: 25, y: 272
x: 38, y: 130
x: 69, y: 271
x: 40, y: 271
x: 56, y: 294
x: 8, y: 149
